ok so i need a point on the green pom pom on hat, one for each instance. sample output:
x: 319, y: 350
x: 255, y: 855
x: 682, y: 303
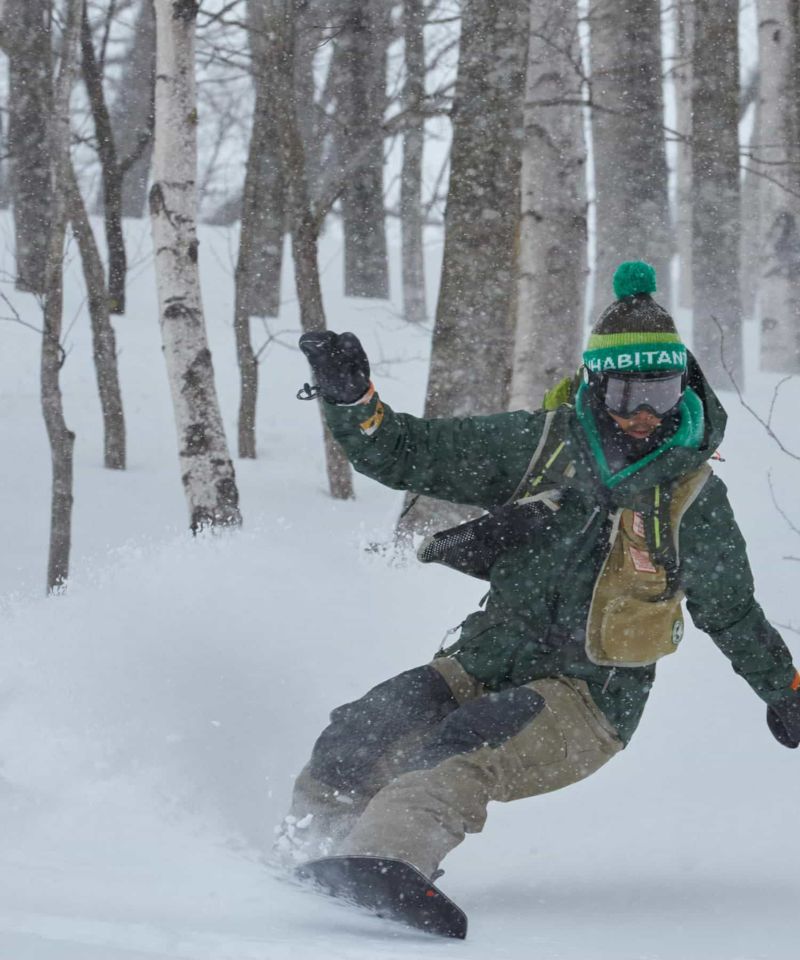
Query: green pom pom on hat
x: 632, y: 277
x: 634, y: 334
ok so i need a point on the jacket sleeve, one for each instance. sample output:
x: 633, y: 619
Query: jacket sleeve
x: 720, y: 599
x: 471, y: 460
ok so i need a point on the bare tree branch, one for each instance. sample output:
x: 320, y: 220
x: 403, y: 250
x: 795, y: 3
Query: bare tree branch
x: 792, y: 526
x: 219, y: 15
x: 766, y: 424
x: 24, y: 323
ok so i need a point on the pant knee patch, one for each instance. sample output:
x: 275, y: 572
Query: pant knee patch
x: 488, y: 721
x: 361, y: 732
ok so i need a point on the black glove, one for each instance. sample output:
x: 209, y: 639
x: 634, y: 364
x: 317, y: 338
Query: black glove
x: 339, y: 364
x: 783, y: 719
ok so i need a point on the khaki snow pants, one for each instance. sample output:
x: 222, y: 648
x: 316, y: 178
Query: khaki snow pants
x: 409, y: 769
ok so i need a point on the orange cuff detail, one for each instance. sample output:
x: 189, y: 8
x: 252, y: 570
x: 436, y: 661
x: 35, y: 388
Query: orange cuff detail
x: 368, y: 427
x: 796, y: 681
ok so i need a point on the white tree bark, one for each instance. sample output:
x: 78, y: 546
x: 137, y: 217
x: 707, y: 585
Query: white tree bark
x: 207, y: 471
x: 61, y: 438
x: 552, y: 246
x: 777, y: 157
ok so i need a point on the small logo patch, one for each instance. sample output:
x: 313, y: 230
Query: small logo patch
x: 641, y: 560
x: 677, y: 632
x: 638, y: 525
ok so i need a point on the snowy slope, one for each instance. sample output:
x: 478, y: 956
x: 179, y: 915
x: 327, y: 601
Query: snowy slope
x: 149, y: 730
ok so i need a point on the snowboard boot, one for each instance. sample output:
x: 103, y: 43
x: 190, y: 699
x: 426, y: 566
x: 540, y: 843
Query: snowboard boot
x: 319, y: 819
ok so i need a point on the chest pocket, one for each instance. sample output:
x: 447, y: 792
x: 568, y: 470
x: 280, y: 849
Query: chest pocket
x: 634, y: 618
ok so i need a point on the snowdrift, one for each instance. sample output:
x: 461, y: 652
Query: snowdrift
x: 152, y: 719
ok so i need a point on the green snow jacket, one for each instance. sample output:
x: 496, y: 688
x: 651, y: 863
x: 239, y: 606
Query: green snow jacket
x: 533, y: 624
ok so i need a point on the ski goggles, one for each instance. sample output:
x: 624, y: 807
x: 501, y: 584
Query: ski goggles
x: 658, y: 393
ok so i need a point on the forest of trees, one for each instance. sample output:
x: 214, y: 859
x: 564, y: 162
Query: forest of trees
x: 546, y: 139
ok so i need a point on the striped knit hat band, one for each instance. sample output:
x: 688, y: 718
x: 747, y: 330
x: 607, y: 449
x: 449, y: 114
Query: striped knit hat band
x: 634, y: 334
x: 634, y: 352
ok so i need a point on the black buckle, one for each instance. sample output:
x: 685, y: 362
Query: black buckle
x: 307, y: 392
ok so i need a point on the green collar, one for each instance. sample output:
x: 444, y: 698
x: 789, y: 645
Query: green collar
x: 689, y: 434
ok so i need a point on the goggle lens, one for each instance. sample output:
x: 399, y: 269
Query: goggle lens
x: 627, y: 394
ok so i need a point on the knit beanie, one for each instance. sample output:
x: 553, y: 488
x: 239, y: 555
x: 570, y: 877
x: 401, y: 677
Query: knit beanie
x: 634, y: 334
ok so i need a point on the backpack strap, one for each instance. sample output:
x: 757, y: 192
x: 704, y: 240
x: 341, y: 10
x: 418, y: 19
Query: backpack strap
x: 661, y: 526
x: 660, y: 540
x: 541, y: 473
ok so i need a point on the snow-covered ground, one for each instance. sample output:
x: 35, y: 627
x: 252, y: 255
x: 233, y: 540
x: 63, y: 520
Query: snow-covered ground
x: 152, y: 719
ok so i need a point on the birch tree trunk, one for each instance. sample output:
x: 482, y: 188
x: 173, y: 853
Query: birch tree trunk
x: 304, y: 225
x: 360, y: 65
x: 684, y: 22
x: 715, y: 181
x: 779, y: 163
x: 104, y: 343
x: 61, y: 438
x: 470, y: 368
x: 27, y: 42
x: 630, y: 160
x: 553, y: 245
x: 206, y: 468
x: 411, y: 215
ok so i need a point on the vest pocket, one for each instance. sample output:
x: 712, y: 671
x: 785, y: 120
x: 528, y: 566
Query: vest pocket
x: 634, y: 633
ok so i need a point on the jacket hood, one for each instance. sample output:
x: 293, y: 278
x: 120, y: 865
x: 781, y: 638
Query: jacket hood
x: 714, y: 414
x: 700, y: 434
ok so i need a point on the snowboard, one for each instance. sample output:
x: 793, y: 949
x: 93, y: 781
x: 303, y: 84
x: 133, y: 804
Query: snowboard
x: 391, y: 889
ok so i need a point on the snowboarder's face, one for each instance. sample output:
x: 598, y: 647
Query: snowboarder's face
x: 639, y: 426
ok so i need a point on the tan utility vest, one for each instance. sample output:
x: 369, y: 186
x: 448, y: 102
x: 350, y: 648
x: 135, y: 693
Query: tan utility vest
x: 633, y: 619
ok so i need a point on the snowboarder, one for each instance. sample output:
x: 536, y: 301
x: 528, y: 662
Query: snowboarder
x: 548, y: 682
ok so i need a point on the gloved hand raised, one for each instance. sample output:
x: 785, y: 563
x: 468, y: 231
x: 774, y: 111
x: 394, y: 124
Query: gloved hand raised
x: 339, y: 365
x: 783, y: 719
